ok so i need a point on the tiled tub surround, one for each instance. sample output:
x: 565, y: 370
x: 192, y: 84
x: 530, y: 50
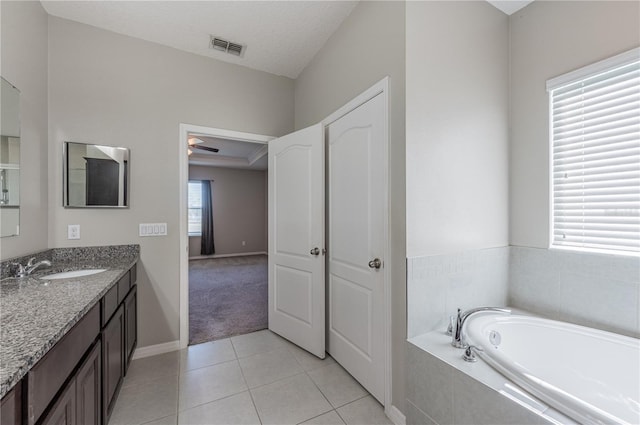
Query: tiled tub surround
x: 595, y: 290
x: 36, y: 313
x: 444, y: 389
x: 438, y: 285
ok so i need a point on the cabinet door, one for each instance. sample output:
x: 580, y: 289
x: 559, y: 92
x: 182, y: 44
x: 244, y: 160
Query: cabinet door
x: 64, y: 409
x: 112, y: 361
x: 11, y: 406
x: 131, y: 320
x: 89, y: 390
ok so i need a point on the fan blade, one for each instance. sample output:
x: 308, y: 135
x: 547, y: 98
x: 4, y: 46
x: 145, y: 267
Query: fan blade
x: 204, y: 148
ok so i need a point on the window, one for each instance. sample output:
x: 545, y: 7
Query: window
x: 595, y: 156
x: 194, y: 205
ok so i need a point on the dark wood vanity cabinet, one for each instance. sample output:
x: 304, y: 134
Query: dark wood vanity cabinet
x: 77, y: 381
x: 112, y: 361
x: 11, y: 406
x: 119, y: 337
x: 131, y: 328
x: 80, y: 401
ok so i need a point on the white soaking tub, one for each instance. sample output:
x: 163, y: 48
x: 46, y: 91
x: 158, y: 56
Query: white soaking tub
x: 590, y: 375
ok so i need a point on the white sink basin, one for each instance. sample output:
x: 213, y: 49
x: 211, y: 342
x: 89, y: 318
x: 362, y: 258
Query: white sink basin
x: 73, y: 273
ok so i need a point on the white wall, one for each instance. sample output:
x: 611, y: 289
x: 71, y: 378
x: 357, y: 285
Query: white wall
x: 24, y: 64
x: 368, y: 46
x: 112, y: 89
x: 550, y: 38
x: 239, y: 201
x: 457, y: 127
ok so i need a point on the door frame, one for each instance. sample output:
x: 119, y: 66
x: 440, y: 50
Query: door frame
x: 380, y: 88
x: 183, y: 172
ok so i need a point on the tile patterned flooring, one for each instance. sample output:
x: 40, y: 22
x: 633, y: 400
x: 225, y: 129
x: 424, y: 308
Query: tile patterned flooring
x: 257, y: 378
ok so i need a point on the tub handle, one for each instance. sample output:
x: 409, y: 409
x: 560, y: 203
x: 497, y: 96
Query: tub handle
x: 470, y: 353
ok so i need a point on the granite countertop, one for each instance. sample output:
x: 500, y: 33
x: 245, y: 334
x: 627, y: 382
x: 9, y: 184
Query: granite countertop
x: 36, y: 313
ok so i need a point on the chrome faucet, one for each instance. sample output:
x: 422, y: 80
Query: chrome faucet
x: 457, y: 338
x: 23, y: 271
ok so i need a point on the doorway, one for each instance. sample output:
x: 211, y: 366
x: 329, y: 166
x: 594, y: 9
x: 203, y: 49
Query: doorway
x: 220, y: 286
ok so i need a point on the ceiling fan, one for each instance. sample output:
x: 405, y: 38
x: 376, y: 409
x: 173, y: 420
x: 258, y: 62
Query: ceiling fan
x: 194, y: 143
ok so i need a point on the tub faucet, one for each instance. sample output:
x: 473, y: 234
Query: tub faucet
x: 23, y: 271
x: 457, y: 339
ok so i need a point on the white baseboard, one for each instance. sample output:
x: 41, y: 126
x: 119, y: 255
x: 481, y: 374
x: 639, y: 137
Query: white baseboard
x: 152, y: 350
x: 240, y: 254
x: 396, y: 416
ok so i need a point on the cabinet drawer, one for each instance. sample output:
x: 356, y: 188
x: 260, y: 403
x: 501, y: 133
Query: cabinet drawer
x: 109, y: 304
x: 50, y: 373
x: 124, y: 284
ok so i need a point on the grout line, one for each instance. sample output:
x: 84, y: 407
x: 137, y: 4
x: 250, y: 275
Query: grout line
x: 317, y: 416
x: 255, y: 408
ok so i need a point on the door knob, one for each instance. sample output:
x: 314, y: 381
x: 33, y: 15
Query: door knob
x: 375, y: 263
x: 315, y: 251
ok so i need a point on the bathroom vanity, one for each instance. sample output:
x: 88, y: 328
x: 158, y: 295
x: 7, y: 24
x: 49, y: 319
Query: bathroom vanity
x: 66, y: 343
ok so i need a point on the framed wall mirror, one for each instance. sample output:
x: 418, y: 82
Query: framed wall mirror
x: 9, y: 160
x: 95, y: 176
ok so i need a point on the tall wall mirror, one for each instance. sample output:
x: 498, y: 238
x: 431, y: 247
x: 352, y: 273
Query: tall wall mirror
x: 9, y: 159
x: 95, y: 176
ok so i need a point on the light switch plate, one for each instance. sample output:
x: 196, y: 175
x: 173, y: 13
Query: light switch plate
x: 153, y: 229
x: 73, y: 231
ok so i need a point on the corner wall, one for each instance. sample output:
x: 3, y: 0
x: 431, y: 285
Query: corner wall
x: 369, y: 45
x: 117, y: 90
x: 457, y: 127
x: 24, y: 64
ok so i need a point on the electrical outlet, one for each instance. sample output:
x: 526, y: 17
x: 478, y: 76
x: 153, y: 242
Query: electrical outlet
x: 73, y: 231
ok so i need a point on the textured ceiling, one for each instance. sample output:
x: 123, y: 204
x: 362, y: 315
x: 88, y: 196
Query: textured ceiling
x: 281, y: 37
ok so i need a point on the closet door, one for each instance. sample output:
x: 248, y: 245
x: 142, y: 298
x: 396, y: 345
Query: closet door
x: 356, y: 239
x: 296, y: 238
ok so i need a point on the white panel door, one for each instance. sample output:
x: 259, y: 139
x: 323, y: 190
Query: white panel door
x: 356, y: 238
x: 296, y: 238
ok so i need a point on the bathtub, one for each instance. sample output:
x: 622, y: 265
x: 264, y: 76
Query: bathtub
x: 589, y: 375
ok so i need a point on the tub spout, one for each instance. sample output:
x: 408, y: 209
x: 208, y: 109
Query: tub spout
x: 457, y: 339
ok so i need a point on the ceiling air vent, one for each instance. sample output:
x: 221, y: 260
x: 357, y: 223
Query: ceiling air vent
x: 218, y: 43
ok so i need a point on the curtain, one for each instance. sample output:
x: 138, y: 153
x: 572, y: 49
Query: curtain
x: 206, y: 246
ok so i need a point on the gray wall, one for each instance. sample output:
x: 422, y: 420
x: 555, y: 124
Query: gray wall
x: 24, y: 64
x: 550, y: 38
x: 457, y: 127
x: 117, y: 90
x: 368, y: 46
x: 239, y: 203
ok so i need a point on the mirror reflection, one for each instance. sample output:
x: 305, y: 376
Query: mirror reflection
x: 95, y: 176
x: 9, y: 159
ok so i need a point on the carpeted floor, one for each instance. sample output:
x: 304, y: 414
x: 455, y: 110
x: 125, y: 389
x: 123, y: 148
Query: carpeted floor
x: 227, y: 296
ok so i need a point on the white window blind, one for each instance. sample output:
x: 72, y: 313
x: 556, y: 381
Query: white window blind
x: 595, y: 156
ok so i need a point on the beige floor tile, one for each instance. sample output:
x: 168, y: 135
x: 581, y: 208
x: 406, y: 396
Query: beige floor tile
x: 167, y: 420
x: 337, y: 385
x: 307, y: 360
x: 207, y: 354
x: 329, y: 418
x: 265, y: 368
x: 155, y: 399
x: 366, y: 411
x: 289, y: 401
x: 235, y: 410
x: 149, y: 368
x: 210, y: 383
x: 257, y: 342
